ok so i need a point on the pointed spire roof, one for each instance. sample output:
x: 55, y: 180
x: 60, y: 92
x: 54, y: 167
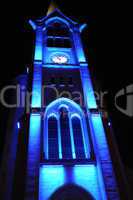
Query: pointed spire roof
x: 52, y: 7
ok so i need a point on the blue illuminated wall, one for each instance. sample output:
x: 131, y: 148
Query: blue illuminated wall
x: 81, y: 175
x: 104, y: 162
x: 37, y: 87
x: 33, y: 155
x: 38, y: 44
x: 87, y: 87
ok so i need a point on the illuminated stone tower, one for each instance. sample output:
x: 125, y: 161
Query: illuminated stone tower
x: 68, y: 146
x: 68, y: 155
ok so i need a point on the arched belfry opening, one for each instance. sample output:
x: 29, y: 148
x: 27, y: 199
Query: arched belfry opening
x: 58, y: 34
x: 57, y: 28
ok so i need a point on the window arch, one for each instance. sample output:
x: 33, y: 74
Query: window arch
x: 65, y: 131
x: 78, y: 137
x: 58, y: 34
x: 57, y: 29
x: 53, y: 137
x: 65, y: 134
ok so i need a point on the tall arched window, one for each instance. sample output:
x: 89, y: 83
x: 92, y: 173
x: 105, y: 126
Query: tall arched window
x: 52, y: 138
x: 65, y: 131
x: 78, y: 138
x: 65, y: 134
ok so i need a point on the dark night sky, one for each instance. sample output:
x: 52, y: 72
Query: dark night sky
x: 106, y: 35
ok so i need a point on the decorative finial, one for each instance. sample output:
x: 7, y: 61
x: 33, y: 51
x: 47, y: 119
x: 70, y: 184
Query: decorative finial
x: 52, y: 7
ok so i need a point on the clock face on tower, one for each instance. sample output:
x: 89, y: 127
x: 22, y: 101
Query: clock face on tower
x: 60, y: 59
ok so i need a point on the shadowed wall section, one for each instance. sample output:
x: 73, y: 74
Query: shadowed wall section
x: 54, y: 177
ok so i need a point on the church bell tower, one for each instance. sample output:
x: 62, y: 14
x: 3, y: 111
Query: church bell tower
x: 68, y: 154
x: 68, y: 149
